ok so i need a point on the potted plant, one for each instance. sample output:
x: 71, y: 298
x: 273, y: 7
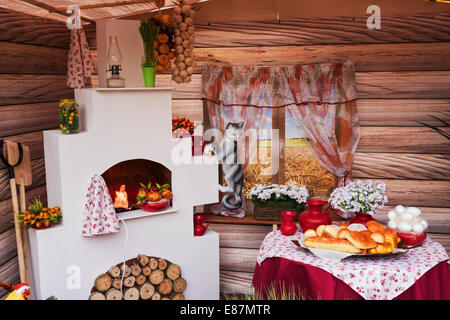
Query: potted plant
x: 149, y: 31
x: 361, y: 198
x: 39, y: 217
x: 271, y: 200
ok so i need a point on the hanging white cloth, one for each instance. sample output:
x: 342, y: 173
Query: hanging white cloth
x: 99, y: 214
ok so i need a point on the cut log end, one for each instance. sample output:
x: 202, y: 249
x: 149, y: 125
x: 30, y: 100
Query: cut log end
x: 173, y: 271
x: 97, y: 296
x: 113, y: 294
x: 114, y: 272
x: 162, y: 264
x: 117, y: 283
x: 153, y: 263
x: 135, y: 269
x: 165, y: 287
x: 179, y: 285
x: 103, y: 282
x: 156, y: 277
x: 178, y: 296
x: 140, y: 279
x: 143, y: 259
x: 146, y: 271
x: 146, y: 291
x: 131, y: 294
x: 129, y: 281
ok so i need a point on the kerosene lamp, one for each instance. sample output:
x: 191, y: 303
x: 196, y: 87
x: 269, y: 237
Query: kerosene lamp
x: 114, y: 65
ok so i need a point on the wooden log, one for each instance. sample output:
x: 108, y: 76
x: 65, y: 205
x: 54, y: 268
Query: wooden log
x: 417, y: 192
x: 19, y: 119
x: 21, y: 89
x: 153, y: 263
x: 178, y: 296
x: 370, y: 85
x: 113, y: 294
x: 179, y: 284
x: 129, y: 281
x: 114, y: 271
x: 8, y: 249
x: 234, y: 259
x: 103, y: 282
x: 366, y: 57
x: 38, y: 59
x: 9, y: 273
x: 402, y: 112
x: 97, y: 296
x: 117, y: 283
x: 173, y: 271
x: 22, y: 28
x: 162, y: 264
x: 140, y: 279
x: 135, y: 269
x: 146, y: 291
x: 126, y: 270
x: 321, y: 30
x: 402, y: 140
x: 146, y: 270
x: 38, y: 176
x: 156, y: 277
x: 251, y: 10
x: 404, y: 85
x: 401, y: 166
x: 191, y: 109
x: 165, y: 287
x: 143, y: 259
x: 131, y: 294
x: 156, y: 296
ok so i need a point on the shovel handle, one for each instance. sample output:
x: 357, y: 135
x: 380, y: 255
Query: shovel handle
x: 18, y: 229
x: 23, y: 208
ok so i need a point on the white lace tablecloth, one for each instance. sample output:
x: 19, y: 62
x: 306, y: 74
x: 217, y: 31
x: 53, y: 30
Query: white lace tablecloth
x: 374, y: 278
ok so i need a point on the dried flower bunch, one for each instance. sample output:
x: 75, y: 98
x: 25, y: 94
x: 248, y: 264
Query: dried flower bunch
x: 37, y: 216
x: 278, y: 192
x: 358, y: 196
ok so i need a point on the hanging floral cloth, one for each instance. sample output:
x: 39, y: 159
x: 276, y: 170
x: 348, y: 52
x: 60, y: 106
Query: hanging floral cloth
x: 99, y: 214
x: 79, y: 64
x: 321, y: 98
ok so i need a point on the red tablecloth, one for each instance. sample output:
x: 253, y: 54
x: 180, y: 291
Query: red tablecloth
x: 315, y: 283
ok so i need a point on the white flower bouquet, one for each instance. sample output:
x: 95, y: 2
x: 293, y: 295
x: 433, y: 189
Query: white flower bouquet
x: 277, y: 192
x: 358, y: 196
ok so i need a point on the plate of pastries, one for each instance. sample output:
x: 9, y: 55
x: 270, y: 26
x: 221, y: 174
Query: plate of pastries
x: 338, y: 242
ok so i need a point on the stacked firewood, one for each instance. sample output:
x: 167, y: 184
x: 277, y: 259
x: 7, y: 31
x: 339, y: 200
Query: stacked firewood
x: 142, y: 278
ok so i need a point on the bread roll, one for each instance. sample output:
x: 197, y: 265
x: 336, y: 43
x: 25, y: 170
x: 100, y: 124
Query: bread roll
x: 360, y: 239
x: 310, y: 233
x: 330, y: 231
x: 342, y: 245
x: 374, y: 226
x: 377, y: 236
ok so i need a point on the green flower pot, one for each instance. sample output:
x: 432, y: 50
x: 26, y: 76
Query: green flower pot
x: 149, y: 76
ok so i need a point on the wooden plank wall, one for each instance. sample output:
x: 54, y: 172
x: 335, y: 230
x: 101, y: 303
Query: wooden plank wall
x: 33, y: 57
x: 403, y: 75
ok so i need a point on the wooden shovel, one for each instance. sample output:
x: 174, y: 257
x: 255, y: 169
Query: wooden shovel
x: 23, y: 178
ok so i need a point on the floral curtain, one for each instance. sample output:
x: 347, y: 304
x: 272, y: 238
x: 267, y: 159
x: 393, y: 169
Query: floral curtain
x: 320, y: 97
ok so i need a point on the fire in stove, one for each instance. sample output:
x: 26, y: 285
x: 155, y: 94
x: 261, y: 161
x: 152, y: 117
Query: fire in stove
x: 121, y: 199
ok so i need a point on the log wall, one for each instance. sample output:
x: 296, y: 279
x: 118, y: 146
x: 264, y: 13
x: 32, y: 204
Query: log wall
x: 403, y: 75
x: 33, y: 57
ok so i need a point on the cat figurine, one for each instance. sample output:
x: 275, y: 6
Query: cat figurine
x: 227, y: 153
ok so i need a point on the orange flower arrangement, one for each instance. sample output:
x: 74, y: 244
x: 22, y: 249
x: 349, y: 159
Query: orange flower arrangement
x: 37, y: 216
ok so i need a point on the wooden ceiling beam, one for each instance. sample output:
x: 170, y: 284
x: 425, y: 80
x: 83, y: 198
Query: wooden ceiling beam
x: 110, y: 4
x: 51, y: 9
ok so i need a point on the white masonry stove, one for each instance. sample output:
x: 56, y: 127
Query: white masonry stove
x: 118, y: 126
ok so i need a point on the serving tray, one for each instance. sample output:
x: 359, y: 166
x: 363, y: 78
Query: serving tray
x: 339, y: 255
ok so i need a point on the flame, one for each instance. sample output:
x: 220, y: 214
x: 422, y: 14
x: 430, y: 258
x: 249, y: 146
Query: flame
x: 121, y: 200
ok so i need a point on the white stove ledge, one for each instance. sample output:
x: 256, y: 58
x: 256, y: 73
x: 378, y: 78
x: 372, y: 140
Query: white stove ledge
x: 142, y: 213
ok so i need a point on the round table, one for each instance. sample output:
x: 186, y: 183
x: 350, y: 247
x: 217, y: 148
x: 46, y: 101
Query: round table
x: 421, y: 273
